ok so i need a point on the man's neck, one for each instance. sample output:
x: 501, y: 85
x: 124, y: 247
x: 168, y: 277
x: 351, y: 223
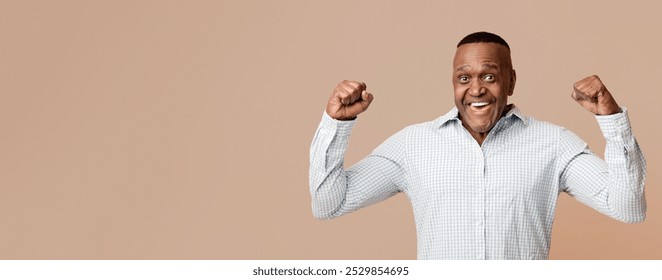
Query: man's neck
x: 481, y: 136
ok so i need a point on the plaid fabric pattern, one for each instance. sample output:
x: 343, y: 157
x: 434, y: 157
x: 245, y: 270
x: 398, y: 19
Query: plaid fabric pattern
x: 494, y: 201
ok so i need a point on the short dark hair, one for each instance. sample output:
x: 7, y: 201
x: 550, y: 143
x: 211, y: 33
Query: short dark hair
x: 483, y: 37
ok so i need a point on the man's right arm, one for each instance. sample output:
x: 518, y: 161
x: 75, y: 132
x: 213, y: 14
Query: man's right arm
x: 334, y: 190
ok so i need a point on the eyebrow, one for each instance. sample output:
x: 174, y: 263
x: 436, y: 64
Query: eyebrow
x: 485, y: 65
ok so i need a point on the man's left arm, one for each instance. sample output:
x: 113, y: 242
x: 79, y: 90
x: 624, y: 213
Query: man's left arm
x: 614, y: 186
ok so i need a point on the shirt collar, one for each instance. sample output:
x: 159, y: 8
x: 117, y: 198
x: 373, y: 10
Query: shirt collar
x: 454, y: 115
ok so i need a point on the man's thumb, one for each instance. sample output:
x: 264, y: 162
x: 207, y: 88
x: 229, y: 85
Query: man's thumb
x: 366, y: 99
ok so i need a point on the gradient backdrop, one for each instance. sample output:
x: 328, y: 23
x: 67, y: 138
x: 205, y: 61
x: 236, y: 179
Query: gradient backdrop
x: 181, y: 129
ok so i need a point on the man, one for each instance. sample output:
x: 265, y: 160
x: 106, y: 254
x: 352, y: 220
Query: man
x: 483, y: 179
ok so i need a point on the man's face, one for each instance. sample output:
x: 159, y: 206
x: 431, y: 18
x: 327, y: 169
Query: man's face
x: 483, y: 79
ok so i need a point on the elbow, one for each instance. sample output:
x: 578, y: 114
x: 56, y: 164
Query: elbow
x: 322, y: 215
x: 631, y: 211
x: 635, y: 219
x: 324, y: 208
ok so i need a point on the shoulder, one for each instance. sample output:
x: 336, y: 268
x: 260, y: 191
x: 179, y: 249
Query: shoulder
x: 433, y: 126
x: 412, y: 134
x: 540, y: 126
x: 419, y: 129
x: 563, y: 137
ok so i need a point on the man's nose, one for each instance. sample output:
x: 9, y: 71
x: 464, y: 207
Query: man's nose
x: 476, y: 88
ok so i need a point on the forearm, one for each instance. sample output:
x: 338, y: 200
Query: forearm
x: 328, y: 179
x: 627, y: 168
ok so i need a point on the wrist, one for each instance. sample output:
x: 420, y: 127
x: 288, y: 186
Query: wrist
x: 609, y: 110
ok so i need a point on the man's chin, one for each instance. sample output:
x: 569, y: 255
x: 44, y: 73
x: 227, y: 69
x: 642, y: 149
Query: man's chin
x: 477, y: 124
x: 480, y: 127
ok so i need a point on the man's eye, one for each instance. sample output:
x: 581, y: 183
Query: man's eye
x: 463, y: 79
x: 489, y: 78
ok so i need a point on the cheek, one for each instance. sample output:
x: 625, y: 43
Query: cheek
x: 458, y: 93
x: 500, y: 92
x: 458, y: 96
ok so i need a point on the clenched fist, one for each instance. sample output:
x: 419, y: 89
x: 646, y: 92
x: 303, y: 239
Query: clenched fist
x: 348, y: 100
x: 592, y: 94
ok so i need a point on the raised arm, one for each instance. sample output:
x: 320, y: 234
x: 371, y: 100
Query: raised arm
x: 334, y: 190
x: 614, y: 186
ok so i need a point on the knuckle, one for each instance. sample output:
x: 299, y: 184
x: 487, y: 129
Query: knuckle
x: 346, y: 84
x: 347, y: 89
x: 354, y: 85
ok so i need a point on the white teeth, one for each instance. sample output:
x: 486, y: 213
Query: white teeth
x: 479, y: 104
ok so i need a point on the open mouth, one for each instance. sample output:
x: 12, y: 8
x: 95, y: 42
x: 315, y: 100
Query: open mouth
x: 479, y: 104
x: 480, y: 108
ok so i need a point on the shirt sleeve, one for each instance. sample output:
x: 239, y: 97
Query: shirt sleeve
x: 336, y: 191
x: 614, y: 186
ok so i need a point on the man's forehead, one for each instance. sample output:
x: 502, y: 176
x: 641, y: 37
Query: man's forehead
x: 484, y: 52
x: 484, y: 65
x: 475, y: 56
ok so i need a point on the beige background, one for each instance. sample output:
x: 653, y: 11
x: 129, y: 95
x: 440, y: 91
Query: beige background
x: 180, y: 129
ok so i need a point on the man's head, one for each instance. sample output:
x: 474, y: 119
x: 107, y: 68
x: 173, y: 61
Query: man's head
x: 483, y: 78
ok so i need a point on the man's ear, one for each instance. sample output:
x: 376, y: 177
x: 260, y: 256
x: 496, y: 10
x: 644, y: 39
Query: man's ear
x: 513, y: 79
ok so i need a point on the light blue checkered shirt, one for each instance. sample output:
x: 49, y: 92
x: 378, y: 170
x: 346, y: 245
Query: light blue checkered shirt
x: 491, y: 202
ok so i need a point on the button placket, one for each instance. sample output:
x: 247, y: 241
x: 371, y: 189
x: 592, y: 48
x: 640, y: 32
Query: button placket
x: 480, y: 206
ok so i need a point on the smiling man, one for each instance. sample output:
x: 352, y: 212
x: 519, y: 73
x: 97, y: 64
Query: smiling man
x: 483, y: 179
x: 483, y: 79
